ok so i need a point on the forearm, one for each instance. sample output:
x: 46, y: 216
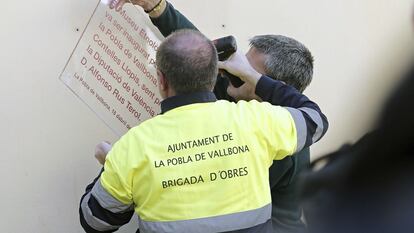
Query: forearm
x: 97, y: 213
x: 171, y: 20
x: 278, y: 93
x: 311, y: 123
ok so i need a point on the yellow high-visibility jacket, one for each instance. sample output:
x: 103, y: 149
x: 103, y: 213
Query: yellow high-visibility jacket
x: 201, y: 166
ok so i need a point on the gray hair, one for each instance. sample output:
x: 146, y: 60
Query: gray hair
x: 188, y: 60
x: 286, y: 59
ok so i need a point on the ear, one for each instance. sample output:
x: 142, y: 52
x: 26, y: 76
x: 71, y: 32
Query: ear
x: 162, y: 81
x: 163, y: 86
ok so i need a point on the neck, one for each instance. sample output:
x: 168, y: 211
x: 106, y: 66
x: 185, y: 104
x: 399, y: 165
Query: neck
x: 186, y: 99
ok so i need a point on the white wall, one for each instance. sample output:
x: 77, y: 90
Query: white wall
x: 48, y: 135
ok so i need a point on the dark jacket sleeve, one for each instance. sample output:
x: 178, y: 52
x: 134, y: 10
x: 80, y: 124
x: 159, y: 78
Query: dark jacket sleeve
x: 311, y: 123
x: 171, y: 20
x: 96, y: 218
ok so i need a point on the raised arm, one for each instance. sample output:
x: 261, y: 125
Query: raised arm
x: 311, y: 123
x: 167, y: 19
x: 164, y: 16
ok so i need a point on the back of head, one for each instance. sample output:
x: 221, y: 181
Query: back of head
x: 188, y: 60
x: 287, y: 59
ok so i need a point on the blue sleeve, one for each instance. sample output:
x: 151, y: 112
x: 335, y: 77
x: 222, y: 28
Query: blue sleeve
x: 311, y: 123
x: 101, y: 213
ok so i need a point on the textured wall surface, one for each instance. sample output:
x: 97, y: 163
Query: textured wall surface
x: 48, y: 135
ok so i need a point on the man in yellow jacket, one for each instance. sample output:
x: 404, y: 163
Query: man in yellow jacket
x: 201, y: 165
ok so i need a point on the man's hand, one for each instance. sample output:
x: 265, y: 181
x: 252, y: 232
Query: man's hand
x: 238, y: 65
x: 147, y: 5
x: 244, y: 92
x: 116, y: 4
x: 101, y: 150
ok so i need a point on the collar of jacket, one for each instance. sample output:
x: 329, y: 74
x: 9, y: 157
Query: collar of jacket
x: 186, y: 99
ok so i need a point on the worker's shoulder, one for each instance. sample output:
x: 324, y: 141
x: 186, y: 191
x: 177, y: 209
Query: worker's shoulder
x: 144, y: 127
x: 254, y: 109
x: 225, y: 108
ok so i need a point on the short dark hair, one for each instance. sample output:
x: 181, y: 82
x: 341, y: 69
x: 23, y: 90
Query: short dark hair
x: 287, y: 59
x: 188, y: 60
